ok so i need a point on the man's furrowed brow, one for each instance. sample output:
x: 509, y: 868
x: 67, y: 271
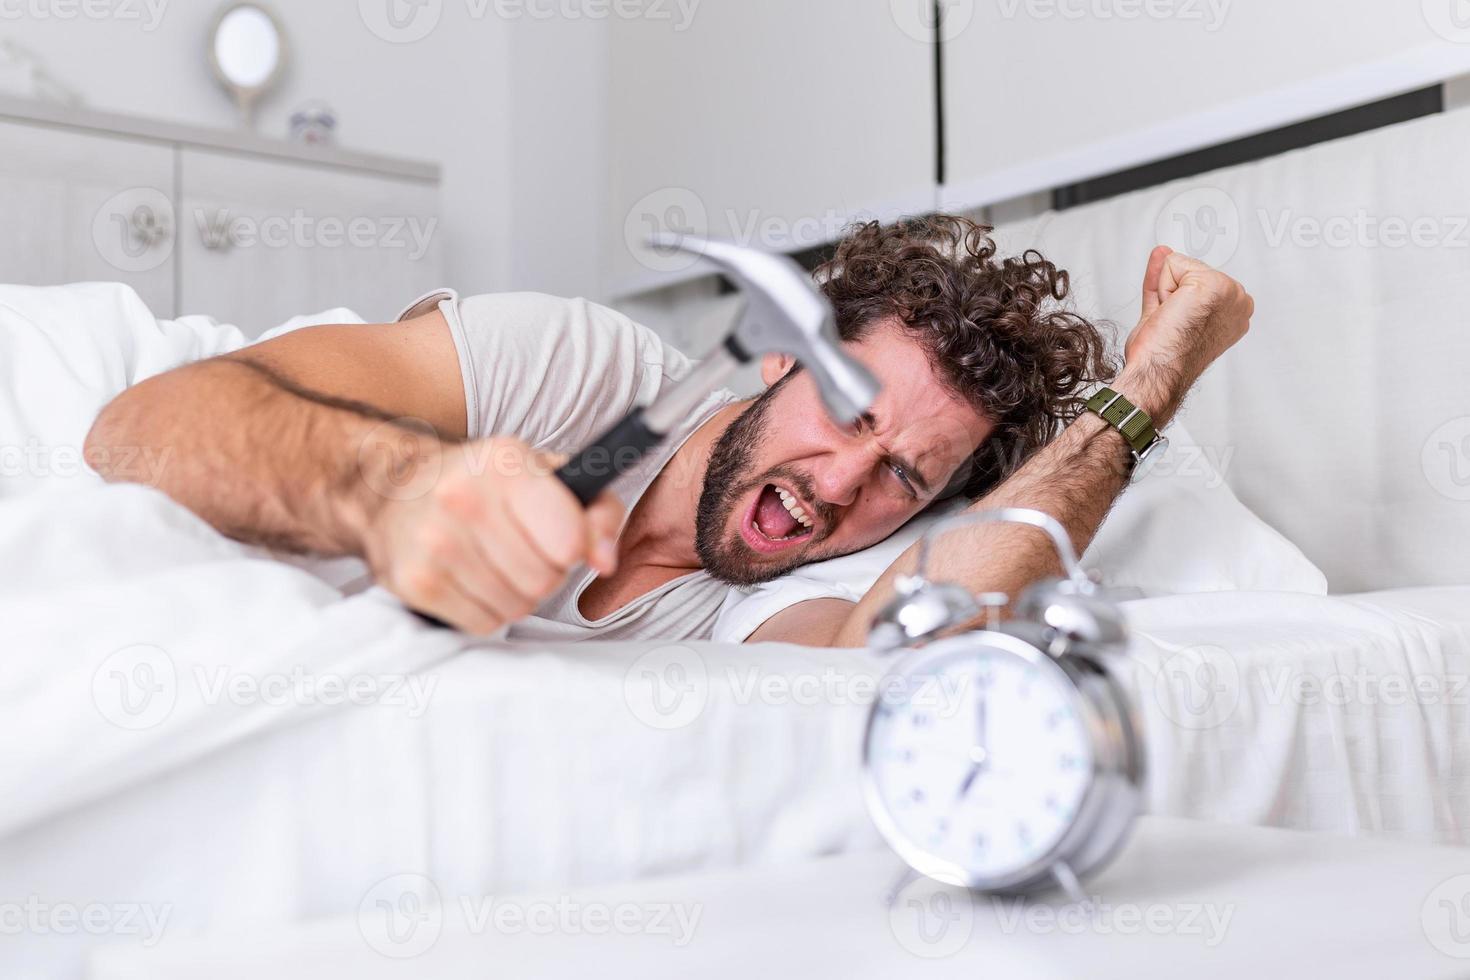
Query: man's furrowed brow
x: 910, y: 467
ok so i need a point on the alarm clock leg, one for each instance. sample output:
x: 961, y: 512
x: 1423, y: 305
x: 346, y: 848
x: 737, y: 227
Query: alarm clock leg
x: 1066, y: 880
x: 906, y: 878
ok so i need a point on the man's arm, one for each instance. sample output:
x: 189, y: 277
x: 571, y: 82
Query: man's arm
x: 349, y: 440
x: 1191, y: 315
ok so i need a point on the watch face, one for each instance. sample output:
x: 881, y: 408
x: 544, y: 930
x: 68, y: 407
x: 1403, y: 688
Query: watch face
x: 1155, y: 451
x: 978, y: 758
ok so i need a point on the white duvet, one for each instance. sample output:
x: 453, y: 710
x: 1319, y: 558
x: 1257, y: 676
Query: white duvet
x: 194, y: 727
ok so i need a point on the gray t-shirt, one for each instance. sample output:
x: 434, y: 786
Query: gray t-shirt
x: 557, y: 373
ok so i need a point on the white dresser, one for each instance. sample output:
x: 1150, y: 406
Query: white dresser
x: 249, y: 230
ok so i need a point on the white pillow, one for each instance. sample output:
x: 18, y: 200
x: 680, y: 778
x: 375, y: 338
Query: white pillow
x: 1178, y: 530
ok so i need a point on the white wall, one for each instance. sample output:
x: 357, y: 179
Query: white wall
x: 559, y: 141
x: 1046, y: 92
x: 447, y: 97
x: 769, y: 122
x: 548, y: 129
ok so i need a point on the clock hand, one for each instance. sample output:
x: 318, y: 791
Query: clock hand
x: 980, y: 754
x: 969, y: 780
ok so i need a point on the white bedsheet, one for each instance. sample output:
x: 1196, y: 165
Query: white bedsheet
x: 154, y: 757
x: 517, y: 768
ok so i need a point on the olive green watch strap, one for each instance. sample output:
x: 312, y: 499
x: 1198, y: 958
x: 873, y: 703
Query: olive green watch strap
x: 1135, y: 424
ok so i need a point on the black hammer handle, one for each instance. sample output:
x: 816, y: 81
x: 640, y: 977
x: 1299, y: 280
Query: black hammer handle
x: 618, y: 450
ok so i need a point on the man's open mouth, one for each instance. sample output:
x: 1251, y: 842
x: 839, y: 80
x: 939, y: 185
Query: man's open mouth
x: 776, y: 520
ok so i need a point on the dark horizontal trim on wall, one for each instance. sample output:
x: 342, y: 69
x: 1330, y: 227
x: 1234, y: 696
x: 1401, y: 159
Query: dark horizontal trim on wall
x: 1360, y: 119
x: 1349, y: 122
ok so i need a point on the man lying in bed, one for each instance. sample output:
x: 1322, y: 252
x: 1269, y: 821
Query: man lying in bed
x: 426, y: 446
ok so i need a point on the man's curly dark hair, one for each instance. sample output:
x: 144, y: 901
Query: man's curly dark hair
x: 995, y: 328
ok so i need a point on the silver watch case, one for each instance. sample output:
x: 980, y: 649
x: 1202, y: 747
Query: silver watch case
x: 1145, y: 461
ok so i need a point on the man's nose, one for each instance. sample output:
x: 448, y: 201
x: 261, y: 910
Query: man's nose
x: 842, y: 474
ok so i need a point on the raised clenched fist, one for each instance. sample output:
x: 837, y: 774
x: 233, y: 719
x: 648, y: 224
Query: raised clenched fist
x: 1192, y: 314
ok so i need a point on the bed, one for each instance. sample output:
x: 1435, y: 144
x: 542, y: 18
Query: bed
x: 494, y: 768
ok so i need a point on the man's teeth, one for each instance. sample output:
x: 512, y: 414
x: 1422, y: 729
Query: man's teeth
x: 791, y: 505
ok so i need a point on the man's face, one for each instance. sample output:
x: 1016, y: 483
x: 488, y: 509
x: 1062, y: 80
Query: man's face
x: 787, y: 486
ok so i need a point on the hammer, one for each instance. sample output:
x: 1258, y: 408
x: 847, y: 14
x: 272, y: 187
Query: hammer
x: 784, y: 314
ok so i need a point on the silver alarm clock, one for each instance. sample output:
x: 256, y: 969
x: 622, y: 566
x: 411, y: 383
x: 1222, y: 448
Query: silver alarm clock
x: 1007, y: 759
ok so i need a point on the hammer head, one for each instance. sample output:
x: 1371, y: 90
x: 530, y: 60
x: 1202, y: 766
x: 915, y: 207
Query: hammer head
x: 785, y: 313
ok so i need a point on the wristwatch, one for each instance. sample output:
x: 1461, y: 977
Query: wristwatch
x: 1145, y: 444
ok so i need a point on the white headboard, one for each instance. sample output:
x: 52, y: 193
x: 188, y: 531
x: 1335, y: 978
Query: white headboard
x: 1344, y: 417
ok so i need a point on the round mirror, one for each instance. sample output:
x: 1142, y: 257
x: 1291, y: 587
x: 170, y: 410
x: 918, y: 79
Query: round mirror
x: 248, y: 51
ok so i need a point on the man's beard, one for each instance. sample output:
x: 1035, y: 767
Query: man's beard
x: 729, y: 462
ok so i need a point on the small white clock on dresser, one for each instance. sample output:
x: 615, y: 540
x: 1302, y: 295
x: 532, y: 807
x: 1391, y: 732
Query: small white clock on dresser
x: 249, y: 230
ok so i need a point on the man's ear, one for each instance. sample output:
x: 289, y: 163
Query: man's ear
x: 774, y: 367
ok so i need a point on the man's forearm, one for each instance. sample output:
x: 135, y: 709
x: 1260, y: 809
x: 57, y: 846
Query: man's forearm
x: 1076, y: 478
x: 260, y: 460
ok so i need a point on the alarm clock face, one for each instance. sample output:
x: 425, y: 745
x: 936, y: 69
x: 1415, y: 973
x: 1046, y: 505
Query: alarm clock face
x: 978, y: 759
